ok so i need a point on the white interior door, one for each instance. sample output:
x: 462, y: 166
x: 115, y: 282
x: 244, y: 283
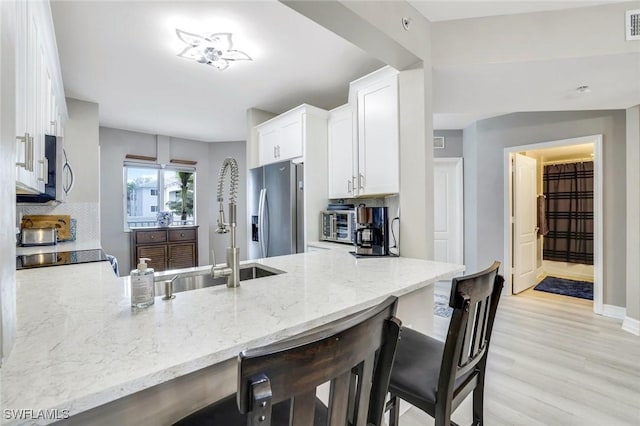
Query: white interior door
x: 448, y: 210
x: 525, y: 222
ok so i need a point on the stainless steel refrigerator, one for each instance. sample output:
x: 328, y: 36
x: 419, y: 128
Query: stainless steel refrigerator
x: 276, y: 206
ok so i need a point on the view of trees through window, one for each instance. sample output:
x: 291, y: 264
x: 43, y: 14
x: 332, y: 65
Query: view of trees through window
x: 152, y: 190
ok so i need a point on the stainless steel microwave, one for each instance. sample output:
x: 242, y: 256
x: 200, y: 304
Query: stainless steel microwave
x: 338, y: 226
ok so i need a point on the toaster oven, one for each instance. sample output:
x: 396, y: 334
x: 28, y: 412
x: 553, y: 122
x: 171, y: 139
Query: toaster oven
x: 338, y: 226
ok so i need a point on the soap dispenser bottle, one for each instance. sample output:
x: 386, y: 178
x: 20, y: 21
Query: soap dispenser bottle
x: 142, y: 285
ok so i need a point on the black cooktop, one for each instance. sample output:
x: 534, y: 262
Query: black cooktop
x: 41, y: 260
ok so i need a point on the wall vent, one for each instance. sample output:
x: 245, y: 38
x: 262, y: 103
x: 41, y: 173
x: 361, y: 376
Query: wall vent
x: 633, y: 24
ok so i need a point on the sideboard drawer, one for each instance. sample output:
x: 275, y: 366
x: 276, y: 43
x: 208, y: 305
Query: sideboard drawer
x: 182, y: 234
x: 147, y: 237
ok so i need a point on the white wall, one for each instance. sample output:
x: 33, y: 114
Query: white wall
x: 81, y: 141
x: 7, y: 179
x: 633, y: 212
x: 484, y: 144
x: 470, y: 202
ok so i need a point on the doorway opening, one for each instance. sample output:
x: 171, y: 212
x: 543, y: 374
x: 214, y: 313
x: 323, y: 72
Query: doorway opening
x: 529, y: 257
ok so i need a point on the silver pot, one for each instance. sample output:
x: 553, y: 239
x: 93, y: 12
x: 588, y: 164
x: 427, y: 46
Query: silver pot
x: 39, y: 236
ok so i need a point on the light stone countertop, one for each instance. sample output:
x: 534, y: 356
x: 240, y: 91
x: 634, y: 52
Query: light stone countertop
x: 328, y: 245
x: 79, y: 345
x: 60, y: 247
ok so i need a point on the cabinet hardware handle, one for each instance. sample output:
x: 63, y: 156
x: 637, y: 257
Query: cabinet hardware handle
x: 274, y: 152
x: 349, y: 186
x: 33, y: 153
x: 182, y: 234
x: 278, y: 151
x: 29, y: 156
x: 46, y: 170
x: 41, y: 178
x: 23, y: 140
x: 361, y: 181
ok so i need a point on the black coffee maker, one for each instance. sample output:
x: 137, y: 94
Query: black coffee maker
x: 372, y: 229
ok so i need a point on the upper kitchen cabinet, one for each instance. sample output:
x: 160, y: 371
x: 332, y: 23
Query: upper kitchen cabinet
x: 342, y: 153
x: 376, y: 99
x: 363, y: 145
x: 284, y: 137
x: 40, y: 102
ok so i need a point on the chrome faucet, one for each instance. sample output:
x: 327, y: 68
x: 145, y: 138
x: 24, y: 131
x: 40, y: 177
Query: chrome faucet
x: 232, y: 269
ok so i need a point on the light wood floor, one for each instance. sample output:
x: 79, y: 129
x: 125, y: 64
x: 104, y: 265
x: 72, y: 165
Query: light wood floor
x: 552, y: 361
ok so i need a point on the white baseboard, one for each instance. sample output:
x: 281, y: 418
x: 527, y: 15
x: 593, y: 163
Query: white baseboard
x: 631, y: 325
x: 612, y: 311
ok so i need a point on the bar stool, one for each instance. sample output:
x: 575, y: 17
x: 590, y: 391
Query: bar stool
x: 435, y: 376
x: 277, y: 383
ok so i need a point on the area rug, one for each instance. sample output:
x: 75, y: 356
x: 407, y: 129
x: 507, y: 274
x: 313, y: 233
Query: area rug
x: 441, y: 306
x: 565, y: 287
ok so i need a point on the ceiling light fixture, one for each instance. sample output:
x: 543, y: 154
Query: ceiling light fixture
x: 215, y: 49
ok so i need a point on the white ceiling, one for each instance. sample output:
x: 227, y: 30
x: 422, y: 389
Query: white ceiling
x: 122, y: 55
x: 453, y: 9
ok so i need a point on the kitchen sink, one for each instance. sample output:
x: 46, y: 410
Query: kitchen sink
x: 201, y: 279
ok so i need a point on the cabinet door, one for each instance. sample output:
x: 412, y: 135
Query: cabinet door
x: 290, y: 137
x: 40, y: 107
x: 182, y: 256
x: 26, y: 77
x: 378, y: 169
x: 340, y: 151
x: 267, y: 141
x: 157, y: 254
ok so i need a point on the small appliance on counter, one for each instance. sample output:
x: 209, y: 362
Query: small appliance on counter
x: 372, y: 231
x: 338, y: 226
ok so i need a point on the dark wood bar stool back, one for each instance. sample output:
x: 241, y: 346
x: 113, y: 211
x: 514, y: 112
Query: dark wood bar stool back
x: 277, y: 383
x: 436, y: 377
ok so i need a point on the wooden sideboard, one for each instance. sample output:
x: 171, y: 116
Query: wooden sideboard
x: 168, y: 248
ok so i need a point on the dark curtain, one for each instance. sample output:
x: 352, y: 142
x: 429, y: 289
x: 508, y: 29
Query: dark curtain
x: 569, y: 212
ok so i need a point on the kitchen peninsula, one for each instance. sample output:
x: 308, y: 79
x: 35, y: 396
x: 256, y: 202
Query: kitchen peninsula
x: 81, y: 348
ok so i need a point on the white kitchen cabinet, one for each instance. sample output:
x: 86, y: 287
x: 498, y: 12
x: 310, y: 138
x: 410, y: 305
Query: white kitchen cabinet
x: 268, y: 143
x: 281, y: 138
x: 342, y: 161
x: 363, y: 147
x: 39, y: 93
x: 284, y: 137
x: 378, y: 134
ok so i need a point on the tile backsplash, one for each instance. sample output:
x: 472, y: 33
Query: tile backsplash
x: 86, y: 214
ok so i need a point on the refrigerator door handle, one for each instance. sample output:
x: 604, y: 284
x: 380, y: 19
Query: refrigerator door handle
x: 260, y: 221
x: 265, y: 224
